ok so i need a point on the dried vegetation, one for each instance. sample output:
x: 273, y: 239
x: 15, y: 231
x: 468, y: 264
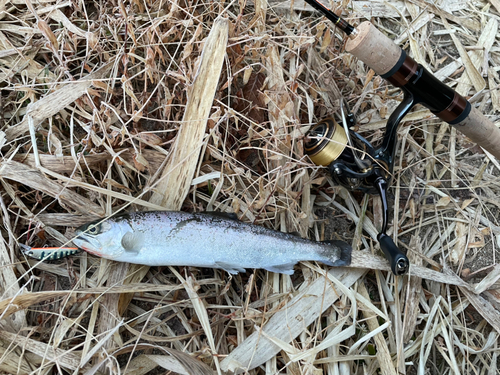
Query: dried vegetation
x: 192, y: 105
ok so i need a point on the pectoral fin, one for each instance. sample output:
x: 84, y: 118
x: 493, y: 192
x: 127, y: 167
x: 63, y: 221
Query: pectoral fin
x: 132, y: 242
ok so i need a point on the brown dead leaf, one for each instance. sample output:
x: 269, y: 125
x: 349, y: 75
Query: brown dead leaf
x: 247, y: 74
x: 188, y: 49
x: 47, y: 33
x: 369, y: 77
x: 458, y: 251
x: 326, y: 40
x: 467, y: 202
x: 443, y: 201
x: 140, y: 162
x: 150, y: 138
x: 116, y: 184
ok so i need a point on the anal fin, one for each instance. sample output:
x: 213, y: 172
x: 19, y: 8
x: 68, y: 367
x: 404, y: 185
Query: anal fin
x: 230, y: 268
x: 287, y: 269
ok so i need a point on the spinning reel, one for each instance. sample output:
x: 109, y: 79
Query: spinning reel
x: 355, y: 164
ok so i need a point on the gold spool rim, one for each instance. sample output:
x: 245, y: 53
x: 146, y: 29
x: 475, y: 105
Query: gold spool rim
x: 330, y: 145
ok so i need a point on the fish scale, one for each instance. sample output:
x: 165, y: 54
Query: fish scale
x: 162, y: 238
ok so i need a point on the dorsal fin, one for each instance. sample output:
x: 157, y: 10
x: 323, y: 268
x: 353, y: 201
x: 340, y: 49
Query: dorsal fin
x: 224, y: 215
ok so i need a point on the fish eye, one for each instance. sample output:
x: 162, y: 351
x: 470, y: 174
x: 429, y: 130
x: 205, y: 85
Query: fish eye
x: 93, y: 229
x: 30, y: 253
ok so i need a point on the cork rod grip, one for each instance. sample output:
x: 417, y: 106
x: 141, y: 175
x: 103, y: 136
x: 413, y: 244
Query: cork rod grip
x: 388, y: 60
x: 481, y: 131
x: 375, y: 49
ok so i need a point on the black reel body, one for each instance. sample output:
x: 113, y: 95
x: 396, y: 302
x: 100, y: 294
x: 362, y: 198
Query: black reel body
x: 355, y: 164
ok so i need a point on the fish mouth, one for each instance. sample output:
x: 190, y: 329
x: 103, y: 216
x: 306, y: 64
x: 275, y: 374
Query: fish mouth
x: 90, y: 245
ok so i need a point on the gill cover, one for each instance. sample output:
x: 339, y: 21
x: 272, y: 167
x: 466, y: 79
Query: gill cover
x: 100, y: 238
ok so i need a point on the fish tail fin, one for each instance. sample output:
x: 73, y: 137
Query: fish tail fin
x: 345, y: 252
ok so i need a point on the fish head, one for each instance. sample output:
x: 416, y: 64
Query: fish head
x: 102, y: 238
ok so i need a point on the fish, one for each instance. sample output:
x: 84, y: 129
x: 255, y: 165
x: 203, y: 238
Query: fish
x: 207, y: 239
x: 48, y: 253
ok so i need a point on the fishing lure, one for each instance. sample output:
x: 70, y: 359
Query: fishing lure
x: 216, y: 240
x: 48, y: 253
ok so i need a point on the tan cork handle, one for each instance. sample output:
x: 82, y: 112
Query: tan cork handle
x: 375, y: 49
x: 481, y: 131
x: 381, y: 54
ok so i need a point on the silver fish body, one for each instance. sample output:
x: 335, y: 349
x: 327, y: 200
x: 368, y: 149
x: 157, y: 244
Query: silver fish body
x: 161, y: 238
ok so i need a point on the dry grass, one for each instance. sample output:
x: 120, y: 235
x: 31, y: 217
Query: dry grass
x: 96, y: 98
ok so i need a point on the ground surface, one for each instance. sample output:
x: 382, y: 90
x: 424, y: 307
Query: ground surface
x: 104, y: 109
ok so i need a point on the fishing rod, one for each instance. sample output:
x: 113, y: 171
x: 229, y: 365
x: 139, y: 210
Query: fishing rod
x: 353, y: 162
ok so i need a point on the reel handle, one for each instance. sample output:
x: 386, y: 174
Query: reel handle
x: 399, y: 262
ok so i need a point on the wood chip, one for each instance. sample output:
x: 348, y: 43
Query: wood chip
x: 179, y: 171
x: 287, y: 324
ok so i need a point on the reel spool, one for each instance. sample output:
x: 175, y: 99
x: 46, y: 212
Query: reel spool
x: 356, y: 165
x: 325, y: 142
